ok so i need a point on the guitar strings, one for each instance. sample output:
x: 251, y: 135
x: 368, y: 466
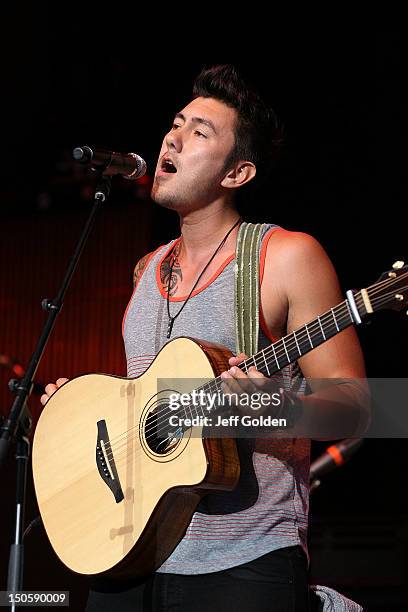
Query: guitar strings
x: 117, y: 445
x: 392, y: 280
x: 301, y: 337
x: 147, y: 437
x: 164, y: 420
x: 156, y: 427
x: 280, y: 353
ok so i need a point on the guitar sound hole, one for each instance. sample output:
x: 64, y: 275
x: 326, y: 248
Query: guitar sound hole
x: 159, y: 436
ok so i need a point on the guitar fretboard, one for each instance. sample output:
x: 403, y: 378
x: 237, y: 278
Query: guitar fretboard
x: 389, y: 292
x: 288, y: 349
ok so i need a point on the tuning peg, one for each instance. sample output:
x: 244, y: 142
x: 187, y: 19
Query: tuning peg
x: 398, y: 265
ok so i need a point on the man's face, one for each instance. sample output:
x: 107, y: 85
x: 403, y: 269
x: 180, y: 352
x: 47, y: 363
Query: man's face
x: 191, y: 163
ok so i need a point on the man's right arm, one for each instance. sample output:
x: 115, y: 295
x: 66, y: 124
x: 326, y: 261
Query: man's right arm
x: 140, y: 268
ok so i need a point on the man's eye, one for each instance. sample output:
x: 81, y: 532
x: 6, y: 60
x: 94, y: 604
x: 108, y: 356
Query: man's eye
x: 200, y: 133
x: 175, y: 126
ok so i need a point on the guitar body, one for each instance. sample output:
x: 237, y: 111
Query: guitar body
x: 111, y: 502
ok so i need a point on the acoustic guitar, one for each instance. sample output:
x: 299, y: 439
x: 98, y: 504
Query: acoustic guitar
x: 116, y: 484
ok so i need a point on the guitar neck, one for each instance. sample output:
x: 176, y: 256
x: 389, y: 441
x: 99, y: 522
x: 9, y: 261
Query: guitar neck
x: 389, y: 291
x: 290, y: 348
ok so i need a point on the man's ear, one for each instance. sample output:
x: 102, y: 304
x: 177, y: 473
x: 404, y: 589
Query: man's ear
x: 241, y: 173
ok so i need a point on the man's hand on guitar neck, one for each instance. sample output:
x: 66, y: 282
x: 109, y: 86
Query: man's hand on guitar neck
x: 337, y: 410
x: 51, y: 388
x: 235, y: 381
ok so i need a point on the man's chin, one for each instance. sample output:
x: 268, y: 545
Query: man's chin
x: 165, y: 200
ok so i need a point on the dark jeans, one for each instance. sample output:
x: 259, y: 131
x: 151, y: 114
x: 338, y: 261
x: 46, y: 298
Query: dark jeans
x: 274, y: 582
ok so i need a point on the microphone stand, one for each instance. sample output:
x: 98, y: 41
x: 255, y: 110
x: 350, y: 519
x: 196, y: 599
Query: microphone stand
x: 18, y: 424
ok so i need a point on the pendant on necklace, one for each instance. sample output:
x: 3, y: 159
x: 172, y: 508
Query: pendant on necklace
x: 170, y: 326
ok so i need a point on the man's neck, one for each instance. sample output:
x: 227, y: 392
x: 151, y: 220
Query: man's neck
x: 203, y: 230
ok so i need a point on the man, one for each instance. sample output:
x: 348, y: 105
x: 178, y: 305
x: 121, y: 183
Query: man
x: 246, y: 548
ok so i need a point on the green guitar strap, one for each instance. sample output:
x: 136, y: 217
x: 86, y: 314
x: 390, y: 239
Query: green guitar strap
x: 247, y: 287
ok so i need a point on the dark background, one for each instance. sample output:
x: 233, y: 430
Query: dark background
x: 70, y: 79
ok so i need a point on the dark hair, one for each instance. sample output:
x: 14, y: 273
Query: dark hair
x: 258, y: 135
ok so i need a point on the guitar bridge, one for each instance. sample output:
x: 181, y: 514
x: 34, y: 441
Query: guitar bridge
x: 106, y: 463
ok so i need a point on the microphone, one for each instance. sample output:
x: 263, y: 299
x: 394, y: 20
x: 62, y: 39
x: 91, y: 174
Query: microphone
x: 129, y: 165
x: 334, y: 456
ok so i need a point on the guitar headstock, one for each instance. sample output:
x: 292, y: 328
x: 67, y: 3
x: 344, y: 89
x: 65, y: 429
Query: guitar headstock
x: 391, y: 289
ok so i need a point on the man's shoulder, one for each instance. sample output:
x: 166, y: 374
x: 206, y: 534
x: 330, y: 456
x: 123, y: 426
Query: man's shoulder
x: 142, y: 264
x: 296, y: 261
x: 288, y: 248
x: 140, y: 267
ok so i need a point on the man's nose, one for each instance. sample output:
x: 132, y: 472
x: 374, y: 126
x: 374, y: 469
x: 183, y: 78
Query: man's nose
x: 174, y: 140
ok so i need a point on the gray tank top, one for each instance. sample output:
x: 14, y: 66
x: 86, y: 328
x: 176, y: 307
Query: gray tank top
x: 269, y: 507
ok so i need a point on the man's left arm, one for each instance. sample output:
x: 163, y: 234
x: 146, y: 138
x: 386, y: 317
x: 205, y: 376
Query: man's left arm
x: 303, y: 276
x: 339, y: 403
